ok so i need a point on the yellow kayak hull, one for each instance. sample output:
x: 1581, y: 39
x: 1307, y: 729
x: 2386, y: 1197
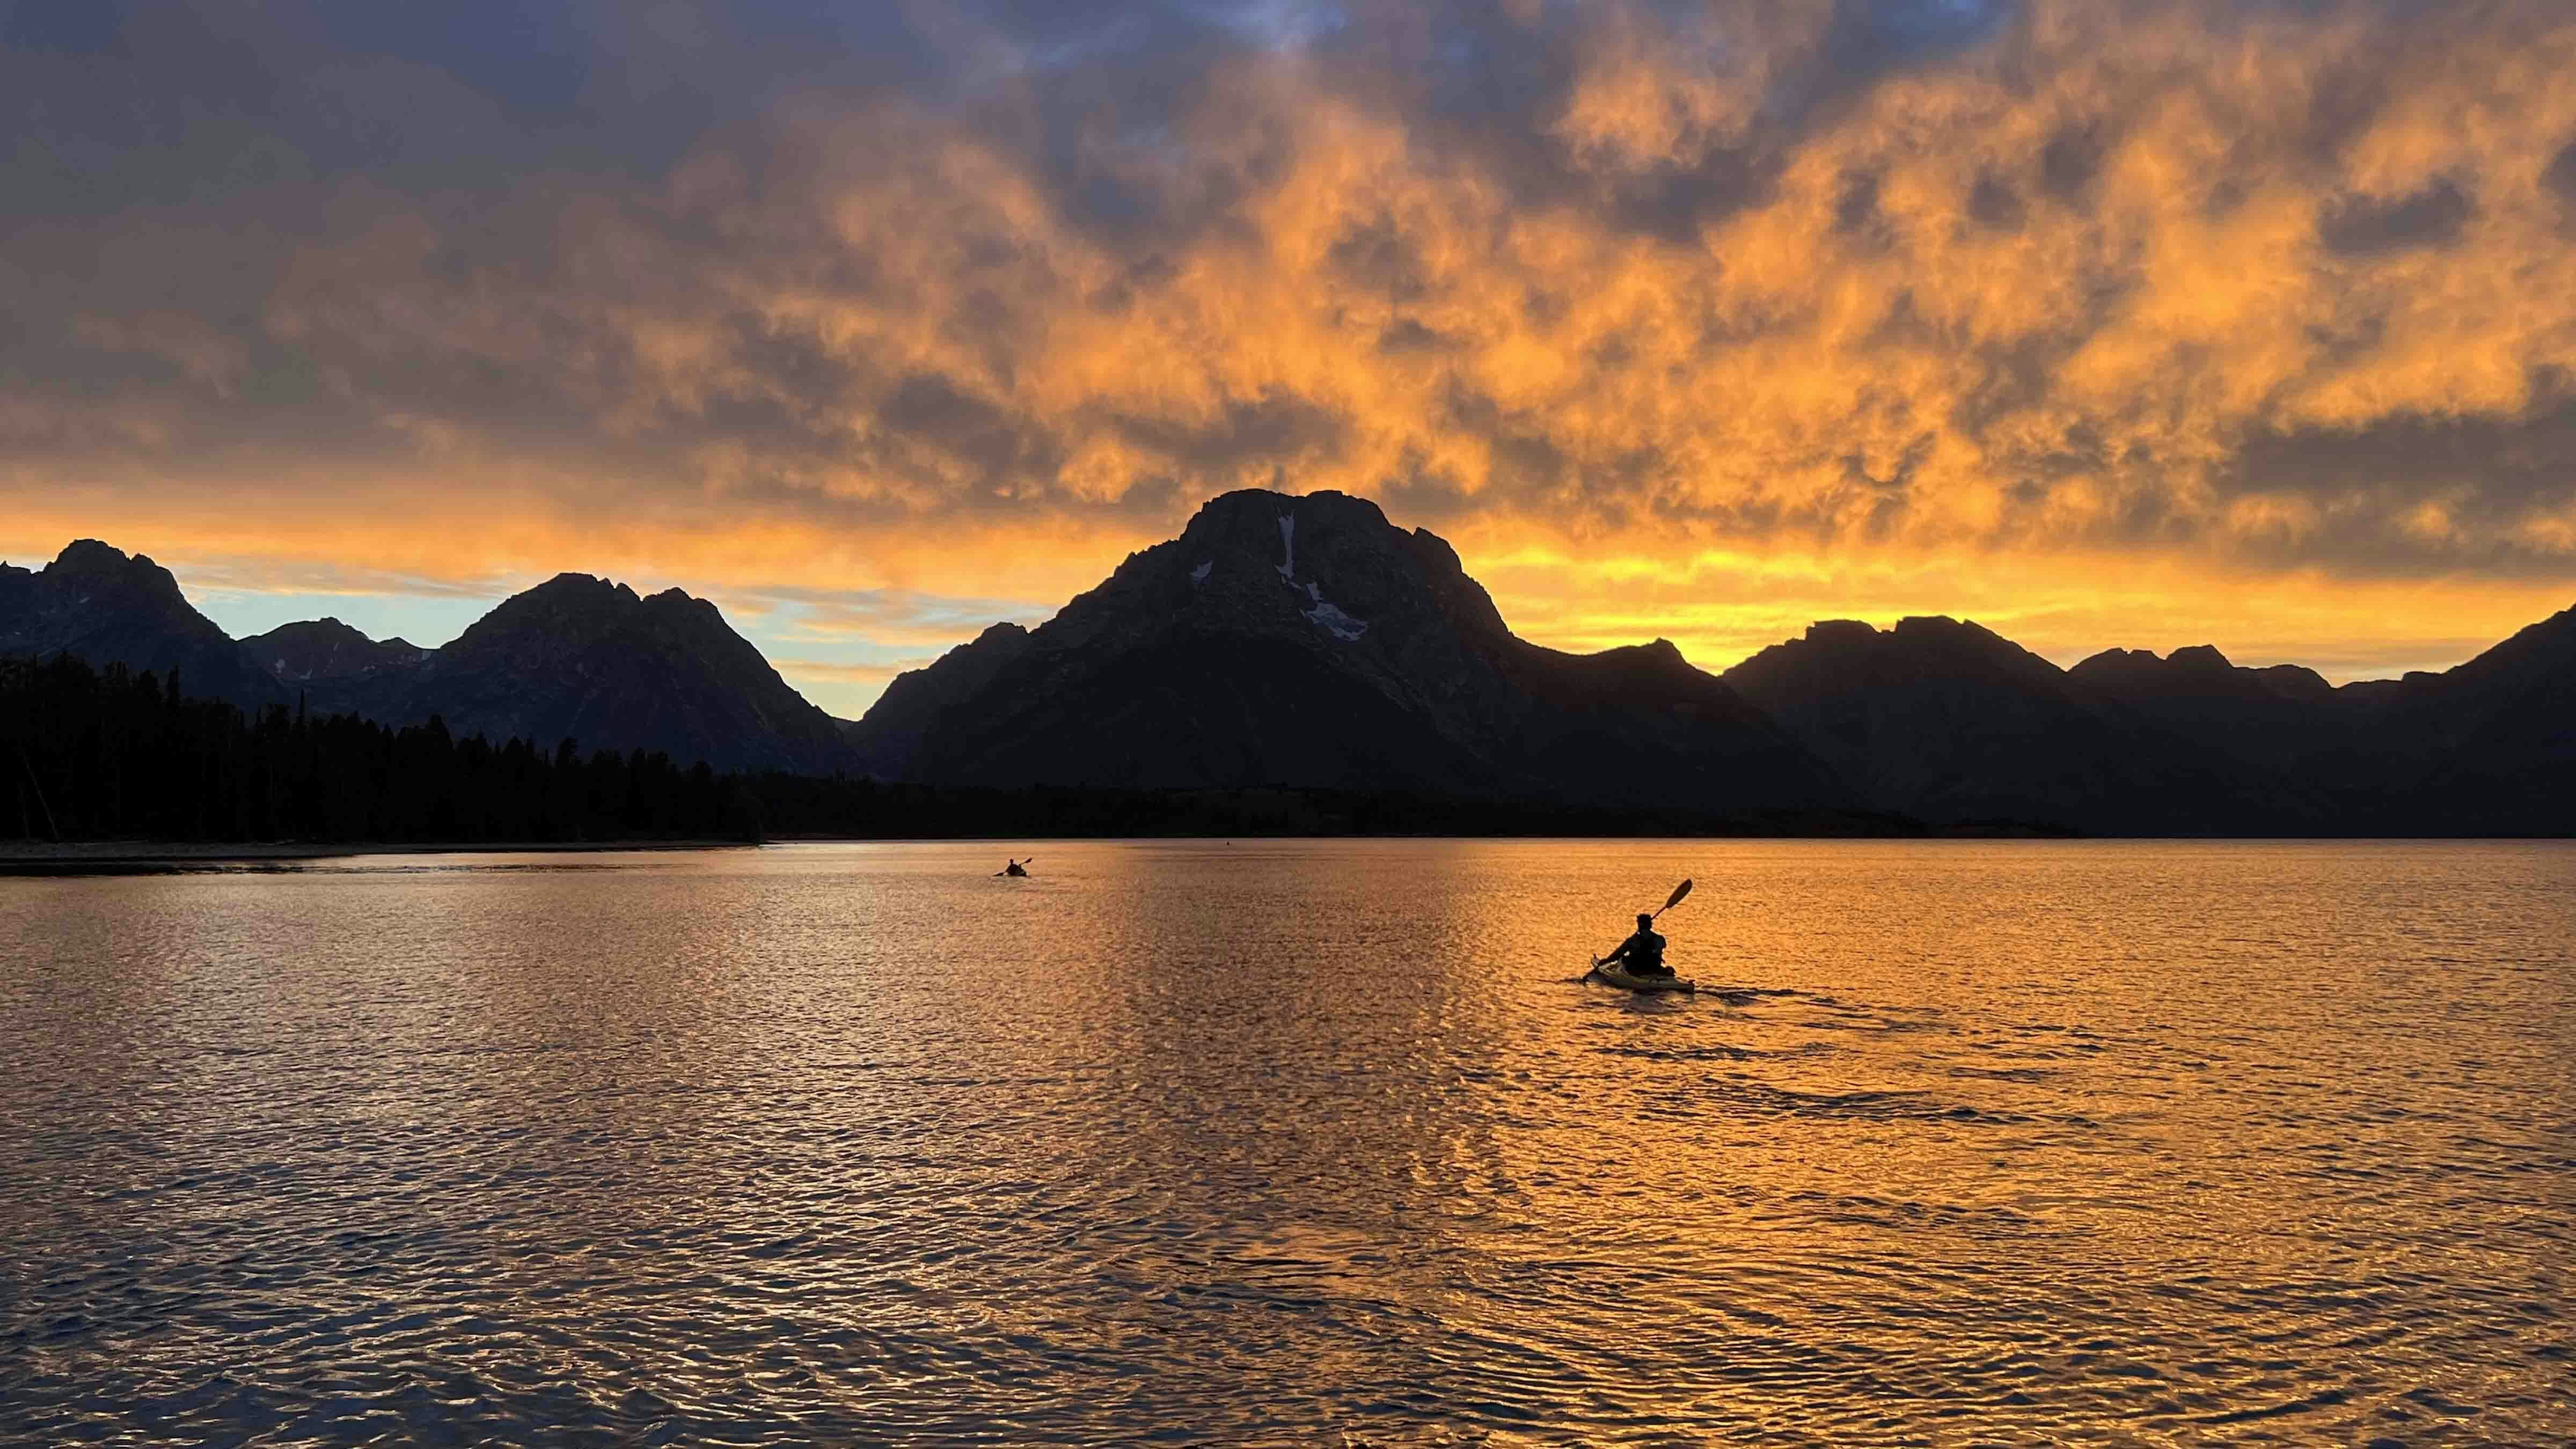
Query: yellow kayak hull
x: 1647, y: 985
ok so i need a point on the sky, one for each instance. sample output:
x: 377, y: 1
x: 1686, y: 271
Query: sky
x: 2124, y: 323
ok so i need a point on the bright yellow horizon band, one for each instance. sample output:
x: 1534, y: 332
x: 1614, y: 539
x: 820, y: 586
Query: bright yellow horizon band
x: 1719, y: 605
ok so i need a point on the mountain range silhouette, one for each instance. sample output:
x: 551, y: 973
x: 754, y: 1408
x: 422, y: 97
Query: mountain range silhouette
x: 1305, y: 642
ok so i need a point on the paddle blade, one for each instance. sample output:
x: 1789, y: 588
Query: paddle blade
x: 1679, y: 891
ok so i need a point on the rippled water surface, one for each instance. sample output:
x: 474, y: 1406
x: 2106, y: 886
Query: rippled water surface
x: 1295, y: 1142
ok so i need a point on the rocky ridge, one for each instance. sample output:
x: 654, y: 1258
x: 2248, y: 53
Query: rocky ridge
x: 326, y: 651
x: 582, y: 658
x: 1305, y: 641
x: 96, y: 602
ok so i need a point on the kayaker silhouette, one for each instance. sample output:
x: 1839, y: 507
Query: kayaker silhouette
x: 1013, y: 868
x: 1641, y: 954
x: 1637, y: 964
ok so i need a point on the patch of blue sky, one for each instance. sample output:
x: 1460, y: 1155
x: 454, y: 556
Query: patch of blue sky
x: 1277, y: 24
x: 840, y: 648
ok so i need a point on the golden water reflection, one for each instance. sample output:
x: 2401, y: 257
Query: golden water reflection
x: 1282, y: 1139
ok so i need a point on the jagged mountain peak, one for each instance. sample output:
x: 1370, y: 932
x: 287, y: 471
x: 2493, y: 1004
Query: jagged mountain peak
x: 327, y: 627
x: 1299, y: 536
x: 2119, y: 659
x: 2200, y: 657
x: 1918, y: 646
x: 89, y: 553
x: 1914, y: 631
x: 571, y: 610
x: 1963, y: 638
x: 588, y: 658
x: 1263, y: 527
x: 1305, y: 640
x: 87, y: 561
x: 569, y: 585
x: 1327, y: 568
x: 2295, y: 680
x: 601, y: 602
x: 2132, y: 675
x: 106, y: 606
x: 322, y: 650
x: 1323, y: 569
x: 1261, y: 506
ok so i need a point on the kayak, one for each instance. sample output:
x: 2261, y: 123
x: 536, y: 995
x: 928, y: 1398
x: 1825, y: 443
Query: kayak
x: 1648, y: 985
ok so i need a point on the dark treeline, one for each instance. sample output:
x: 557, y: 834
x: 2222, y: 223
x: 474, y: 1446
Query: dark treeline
x: 95, y: 754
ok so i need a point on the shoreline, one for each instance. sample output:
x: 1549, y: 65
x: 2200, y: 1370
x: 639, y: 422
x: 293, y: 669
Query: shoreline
x: 181, y: 857
x: 34, y: 860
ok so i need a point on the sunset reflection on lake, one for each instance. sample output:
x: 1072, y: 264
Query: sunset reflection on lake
x: 1283, y: 1140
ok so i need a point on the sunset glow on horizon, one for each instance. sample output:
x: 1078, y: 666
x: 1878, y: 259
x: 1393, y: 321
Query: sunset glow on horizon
x: 2102, y: 324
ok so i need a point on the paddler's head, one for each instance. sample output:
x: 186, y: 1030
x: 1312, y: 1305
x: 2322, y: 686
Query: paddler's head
x: 1644, y: 921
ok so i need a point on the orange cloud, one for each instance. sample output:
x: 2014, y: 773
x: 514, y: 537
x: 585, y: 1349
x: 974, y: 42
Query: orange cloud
x: 2116, y: 323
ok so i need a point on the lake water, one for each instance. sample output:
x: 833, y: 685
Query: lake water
x: 1296, y: 1142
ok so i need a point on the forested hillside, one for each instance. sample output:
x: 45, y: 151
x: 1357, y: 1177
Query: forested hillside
x: 110, y: 755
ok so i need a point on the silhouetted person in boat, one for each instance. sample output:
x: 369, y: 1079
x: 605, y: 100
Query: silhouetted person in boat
x: 1012, y: 868
x: 1641, y: 954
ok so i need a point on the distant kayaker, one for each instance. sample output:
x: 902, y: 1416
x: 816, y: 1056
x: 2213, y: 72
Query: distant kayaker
x: 1012, y: 867
x: 1641, y: 954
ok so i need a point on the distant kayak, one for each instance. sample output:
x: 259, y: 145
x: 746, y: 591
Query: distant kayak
x: 1614, y: 975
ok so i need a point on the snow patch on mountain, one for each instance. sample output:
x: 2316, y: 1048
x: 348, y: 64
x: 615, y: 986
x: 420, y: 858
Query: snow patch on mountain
x: 1332, y: 620
x: 1329, y: 617
x: 1199, y: 575
x: 1325, y: 615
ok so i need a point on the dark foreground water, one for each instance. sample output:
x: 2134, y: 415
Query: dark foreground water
x: 1296, y: 1142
